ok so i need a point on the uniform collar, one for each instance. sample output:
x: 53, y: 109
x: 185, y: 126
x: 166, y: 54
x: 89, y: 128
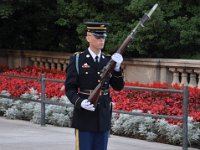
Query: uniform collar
x: 94, y: 55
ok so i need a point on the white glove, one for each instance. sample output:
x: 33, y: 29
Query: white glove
x: 87, y: 105
x: 118, y: 59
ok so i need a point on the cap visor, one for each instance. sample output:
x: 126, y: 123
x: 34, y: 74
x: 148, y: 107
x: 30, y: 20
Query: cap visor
x: 103, y: 35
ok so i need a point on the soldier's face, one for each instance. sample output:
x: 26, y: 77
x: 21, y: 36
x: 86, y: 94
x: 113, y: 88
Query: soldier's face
x: 95, y: 43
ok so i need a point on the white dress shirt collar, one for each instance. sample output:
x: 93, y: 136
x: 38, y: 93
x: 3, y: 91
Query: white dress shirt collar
x: 94, y: 55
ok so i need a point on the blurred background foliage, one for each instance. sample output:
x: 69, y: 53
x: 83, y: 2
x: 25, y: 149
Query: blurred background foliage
x: 57, y: 25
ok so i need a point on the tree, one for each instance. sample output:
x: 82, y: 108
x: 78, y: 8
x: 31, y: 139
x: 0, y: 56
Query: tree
x: 172, y: 32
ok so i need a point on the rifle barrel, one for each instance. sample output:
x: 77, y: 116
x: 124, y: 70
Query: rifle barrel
x: 94, y: 96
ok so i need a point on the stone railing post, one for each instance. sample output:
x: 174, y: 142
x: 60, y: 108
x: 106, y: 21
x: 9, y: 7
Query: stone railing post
x: 47, y: 65
x: 184, y: 77
x: 193, y: 81
x: 163, y: 75
x: 175, y: 79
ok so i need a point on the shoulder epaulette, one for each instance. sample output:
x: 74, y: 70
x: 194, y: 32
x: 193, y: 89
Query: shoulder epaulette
x: 77, y: 53
x: 108, y: 55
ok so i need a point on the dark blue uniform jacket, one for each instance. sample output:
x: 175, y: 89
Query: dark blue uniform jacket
x: 87, y: 79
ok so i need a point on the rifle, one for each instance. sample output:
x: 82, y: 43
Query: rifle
x: 108, y: 69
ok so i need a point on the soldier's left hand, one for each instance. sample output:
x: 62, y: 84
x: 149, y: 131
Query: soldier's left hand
x: 118, y: 59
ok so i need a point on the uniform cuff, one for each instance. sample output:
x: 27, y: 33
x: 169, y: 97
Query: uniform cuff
x: 77, y: 103
x: 117, y: 74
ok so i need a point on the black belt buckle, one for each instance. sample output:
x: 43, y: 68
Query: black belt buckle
x: 103, y: 93
x: 88, y: 92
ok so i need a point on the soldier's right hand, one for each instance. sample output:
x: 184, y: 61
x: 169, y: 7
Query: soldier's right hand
x: 87, y: 105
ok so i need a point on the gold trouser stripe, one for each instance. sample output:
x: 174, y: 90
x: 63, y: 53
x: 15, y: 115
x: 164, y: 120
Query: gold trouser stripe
x: 77, y: 140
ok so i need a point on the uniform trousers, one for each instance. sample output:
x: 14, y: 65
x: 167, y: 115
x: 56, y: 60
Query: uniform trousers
x: 91, y: 140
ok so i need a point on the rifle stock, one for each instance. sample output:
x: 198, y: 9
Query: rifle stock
x: 109, y: 68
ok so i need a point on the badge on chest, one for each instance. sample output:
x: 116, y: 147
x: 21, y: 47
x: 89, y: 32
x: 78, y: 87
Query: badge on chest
x: 85, y: 65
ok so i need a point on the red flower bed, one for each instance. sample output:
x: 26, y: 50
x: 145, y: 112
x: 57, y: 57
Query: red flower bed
x: 164, y: 103
x: 18, y: 86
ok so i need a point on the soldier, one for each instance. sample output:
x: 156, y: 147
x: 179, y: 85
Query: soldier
x: 92, y: 124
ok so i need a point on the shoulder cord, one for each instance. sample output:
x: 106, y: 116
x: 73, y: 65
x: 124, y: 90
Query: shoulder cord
x: 77, y: 59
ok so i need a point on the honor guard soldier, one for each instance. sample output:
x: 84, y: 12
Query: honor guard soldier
x: 92, y: 124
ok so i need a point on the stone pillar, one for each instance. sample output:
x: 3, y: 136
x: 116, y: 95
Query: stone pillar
x: 59, y: 67
x: 163, y: 74
x: 184, y: 80
x: 46, y: 65
x: 33, y: 59
x: 64, y: 66
x: 175, y: 79
x: 193, y: 82
x: 52, y: 65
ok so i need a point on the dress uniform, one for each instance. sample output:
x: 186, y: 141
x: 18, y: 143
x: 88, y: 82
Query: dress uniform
x: 82, y: 76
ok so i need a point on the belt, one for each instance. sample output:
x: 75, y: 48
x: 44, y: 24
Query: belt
x: 88, y: 92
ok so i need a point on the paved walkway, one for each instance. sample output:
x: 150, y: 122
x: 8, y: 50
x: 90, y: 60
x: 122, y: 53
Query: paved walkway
x: 23, y: 135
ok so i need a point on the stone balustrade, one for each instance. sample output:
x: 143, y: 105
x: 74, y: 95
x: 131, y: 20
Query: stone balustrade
x: 50, y: 63
x: 51, y: 60
x: 142, y: 70
x: 186, y: 76
x: 173, y: 71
